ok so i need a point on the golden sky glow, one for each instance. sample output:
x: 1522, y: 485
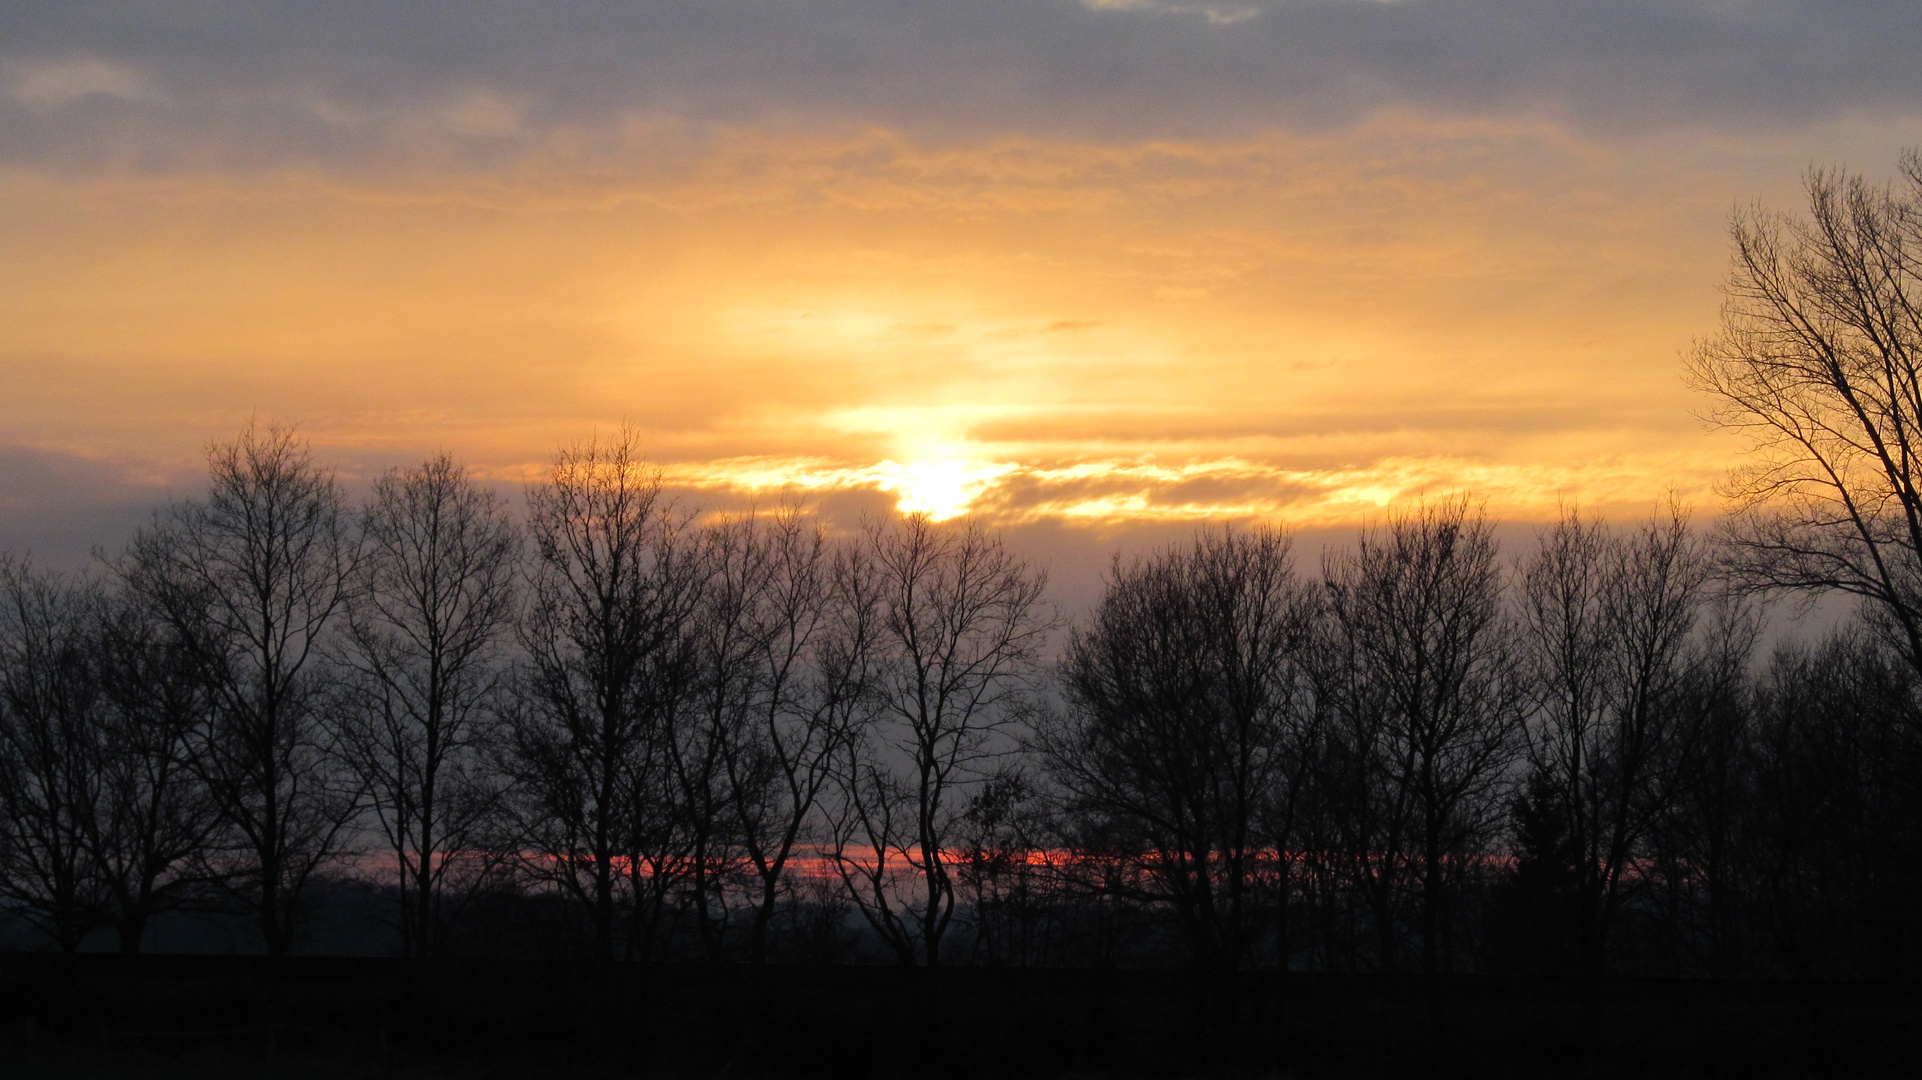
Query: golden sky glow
x: 1303, y: 308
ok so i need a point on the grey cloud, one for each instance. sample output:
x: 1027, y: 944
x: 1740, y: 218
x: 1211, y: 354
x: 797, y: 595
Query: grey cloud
x: 355, y: 84
x: 59, y: 507
x: 1025, y: 491
x: 1488, y: 420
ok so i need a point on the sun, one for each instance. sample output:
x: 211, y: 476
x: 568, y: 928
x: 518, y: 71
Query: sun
x: 939, y: 489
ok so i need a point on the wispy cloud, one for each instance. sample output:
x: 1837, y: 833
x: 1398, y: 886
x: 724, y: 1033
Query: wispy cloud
x: 1219, y: 14
x: 50, y: 84
x: 1111, y: 491
x: 347, y: 86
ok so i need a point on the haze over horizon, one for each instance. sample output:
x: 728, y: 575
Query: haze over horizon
x: 1107, y: 267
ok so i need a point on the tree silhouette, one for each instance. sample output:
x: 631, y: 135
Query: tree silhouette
x: 52, y: 748
x: 1609, y: 622
x: 1819, y: 364
x: 607, y: 634
x: 435, y: 596
x: 1420, y: 602
x: 1188, y: 710
x: 251, y: 581
x: 959, y: 625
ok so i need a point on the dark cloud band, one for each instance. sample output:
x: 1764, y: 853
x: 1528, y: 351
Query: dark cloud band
x: 468, y: 86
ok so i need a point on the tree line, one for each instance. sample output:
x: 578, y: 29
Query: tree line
x: 650, y: 734
x: 612, y: 727
x: 649, y: 720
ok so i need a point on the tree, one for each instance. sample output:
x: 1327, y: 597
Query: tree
x: 731, y: 633
x: 1421, y: 605
x: 960, y: 626
x: 160, y: 826
x: 1360, y: 801
x: 1835, y: 813
x: 1697, y: 845
x: 51, y: 745
x: 1011, y: 888
x: 1187, y: 713
x: 614, y: 588
x: 1609, y: 624
x: 806, y: 620
x: 1819, y: 364
x: 1532, y: 909
x: 435, y: 596
x: 251, y: 582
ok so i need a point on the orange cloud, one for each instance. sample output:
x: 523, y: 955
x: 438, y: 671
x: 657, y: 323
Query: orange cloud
x: 1305, y: 326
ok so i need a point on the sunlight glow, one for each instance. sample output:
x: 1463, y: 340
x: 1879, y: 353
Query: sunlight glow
x: 939, y: 489
x: 1114, y: 491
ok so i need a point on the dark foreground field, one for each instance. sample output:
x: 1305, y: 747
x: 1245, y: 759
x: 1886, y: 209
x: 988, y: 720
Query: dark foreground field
x: 112, y: 1016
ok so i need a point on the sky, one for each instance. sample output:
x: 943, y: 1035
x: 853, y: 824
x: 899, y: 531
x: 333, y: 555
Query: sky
x: 1092, y: 270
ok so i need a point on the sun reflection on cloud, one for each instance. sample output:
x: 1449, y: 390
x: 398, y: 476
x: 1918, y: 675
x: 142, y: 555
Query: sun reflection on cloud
x: 1143, y: 490
x: 939, y: 489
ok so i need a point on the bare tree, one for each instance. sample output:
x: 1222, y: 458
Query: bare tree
x: 1360, y: 801
x: 1832, y: 820
x: 1696, y: 847
x: 435, y: 599
x: 961, y: 623
x: 52, y: 740
x: 805, y: 620
x: 1819, y: 363
x: 1421, y: 602
x: 1188, y: 709
x: 608, y: 638
x: 730, y: 634
x: 160, y: 826
x: 251, y: 581
x: 1610, y: 623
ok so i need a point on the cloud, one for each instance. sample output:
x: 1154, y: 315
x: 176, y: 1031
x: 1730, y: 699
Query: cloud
x: 1046, y: 260
x: 1153, y: 488
x: 60, y: 506
x: 1219, y: 14
x: 356, y: 86
x: 49, y: 85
